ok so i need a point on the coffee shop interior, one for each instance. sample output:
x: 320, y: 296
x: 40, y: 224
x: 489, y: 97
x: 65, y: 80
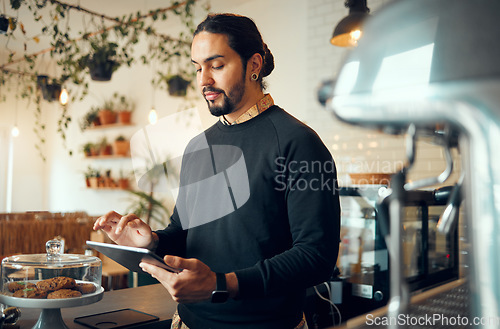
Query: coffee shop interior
x: 77, y: 142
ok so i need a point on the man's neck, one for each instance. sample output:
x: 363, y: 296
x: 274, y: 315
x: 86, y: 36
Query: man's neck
x: 247, y: 103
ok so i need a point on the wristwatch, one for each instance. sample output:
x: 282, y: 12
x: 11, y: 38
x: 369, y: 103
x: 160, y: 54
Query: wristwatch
x: 220, y: 294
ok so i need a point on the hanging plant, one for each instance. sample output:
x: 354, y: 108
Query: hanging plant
x: 177, y: 85
x: 4, y: 24
x: 91, y: 54
x: 102, y: 60
x: 50, y: 91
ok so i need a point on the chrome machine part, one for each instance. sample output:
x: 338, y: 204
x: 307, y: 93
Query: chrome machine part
x: 433, y: 62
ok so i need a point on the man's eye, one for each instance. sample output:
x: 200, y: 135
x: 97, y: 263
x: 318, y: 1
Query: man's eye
x: 218, y: 67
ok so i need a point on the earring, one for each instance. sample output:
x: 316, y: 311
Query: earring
x: 254, y: 76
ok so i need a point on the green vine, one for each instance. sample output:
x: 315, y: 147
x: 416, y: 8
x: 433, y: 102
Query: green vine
x: 103, y: 38
x: 39, y: 128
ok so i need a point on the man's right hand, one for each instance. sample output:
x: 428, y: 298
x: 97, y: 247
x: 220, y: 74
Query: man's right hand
x: 128, y: 230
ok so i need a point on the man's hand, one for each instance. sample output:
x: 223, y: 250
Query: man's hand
x: 195, y: 283
x: 128, y: 230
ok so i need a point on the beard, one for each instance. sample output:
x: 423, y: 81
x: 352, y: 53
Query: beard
x: 229, y: 101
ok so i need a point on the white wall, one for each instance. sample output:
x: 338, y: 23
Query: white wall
x: 354, y: 149
x: 296, y: 31
x: 58, y: 184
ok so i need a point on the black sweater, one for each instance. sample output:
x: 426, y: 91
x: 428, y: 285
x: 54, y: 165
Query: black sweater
x: 281, y: 232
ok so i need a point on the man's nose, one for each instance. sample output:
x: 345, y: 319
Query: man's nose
x: 206, y: 79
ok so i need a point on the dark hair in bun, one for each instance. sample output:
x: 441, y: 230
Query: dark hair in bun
x: 243, y: 37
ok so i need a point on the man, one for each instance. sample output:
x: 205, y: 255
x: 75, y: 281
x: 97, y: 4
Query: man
x: 246, y: 266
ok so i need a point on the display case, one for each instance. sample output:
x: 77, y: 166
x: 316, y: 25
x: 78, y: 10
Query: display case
x: 430, y: 257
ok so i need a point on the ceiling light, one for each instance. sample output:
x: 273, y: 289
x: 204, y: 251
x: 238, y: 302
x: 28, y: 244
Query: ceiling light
x: 349, y: 30
x: 63, y: 97
x: 152, y: 116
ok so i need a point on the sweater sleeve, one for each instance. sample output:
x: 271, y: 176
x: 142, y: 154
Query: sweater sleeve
x: 313, y: 209
x: 172, y: 239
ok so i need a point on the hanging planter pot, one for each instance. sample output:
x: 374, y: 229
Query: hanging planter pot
x: 102, y: 71
x: 50, y: 92
x: 4, y: 24
x: 177, y: 85
x: 54, y: 91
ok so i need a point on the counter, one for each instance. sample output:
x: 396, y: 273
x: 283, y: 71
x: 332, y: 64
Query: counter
x: 153, y: 299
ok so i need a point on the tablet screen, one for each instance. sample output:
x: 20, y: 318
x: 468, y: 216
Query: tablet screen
x: 130, y: 257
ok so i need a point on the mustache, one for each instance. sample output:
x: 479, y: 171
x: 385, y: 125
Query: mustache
x: 212, y: 89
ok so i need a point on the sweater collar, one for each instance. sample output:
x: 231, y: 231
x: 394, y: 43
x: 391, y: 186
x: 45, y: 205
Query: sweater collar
x: 263, y: 104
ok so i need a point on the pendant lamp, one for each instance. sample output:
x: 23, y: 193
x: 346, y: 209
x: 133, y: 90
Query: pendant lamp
x: 349, y: 30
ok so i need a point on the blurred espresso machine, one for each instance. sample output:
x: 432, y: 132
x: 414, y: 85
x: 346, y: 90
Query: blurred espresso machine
x: 430, y: 70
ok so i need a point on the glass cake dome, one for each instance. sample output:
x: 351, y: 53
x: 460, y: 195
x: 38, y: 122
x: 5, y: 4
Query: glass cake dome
x: 50, y: 276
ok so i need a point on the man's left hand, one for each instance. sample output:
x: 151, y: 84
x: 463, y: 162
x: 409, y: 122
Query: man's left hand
x: 194, y: 284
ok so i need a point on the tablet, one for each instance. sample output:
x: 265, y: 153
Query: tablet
x: 130, y: 257
x: 116, y: 319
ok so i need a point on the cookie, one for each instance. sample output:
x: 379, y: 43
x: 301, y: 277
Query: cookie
x: 18, y: 285
x: 64, y: 293
x: 30, y: 293
x: 56, y: 283
x: 86, y: 288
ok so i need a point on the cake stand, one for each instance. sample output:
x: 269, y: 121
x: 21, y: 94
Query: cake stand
x: 50, y: 317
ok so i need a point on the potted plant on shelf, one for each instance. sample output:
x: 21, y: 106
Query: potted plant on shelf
x: 104, y: 147
x: 107, y: 114
x: 90, y: 119
x: 92, y: 177
x: 124, y: 107
x: 108, y: 181
x: 87, y: 149
x: 121, y: 146
x: 123, y: 182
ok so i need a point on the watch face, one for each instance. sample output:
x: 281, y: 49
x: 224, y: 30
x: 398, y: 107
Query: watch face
x: 220, y: 296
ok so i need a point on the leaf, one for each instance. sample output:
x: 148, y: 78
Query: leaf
x: 15, y: 4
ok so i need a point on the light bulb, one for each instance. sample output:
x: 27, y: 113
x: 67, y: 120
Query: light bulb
x: 15, y: 131
x: 355, y: 36
x: 152, y: 117
x: 63, y: 97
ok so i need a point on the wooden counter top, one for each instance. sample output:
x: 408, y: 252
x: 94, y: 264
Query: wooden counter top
x: 153, y: 299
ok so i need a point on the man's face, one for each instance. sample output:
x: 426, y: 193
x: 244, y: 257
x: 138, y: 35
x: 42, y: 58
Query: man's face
x: 219, y: 71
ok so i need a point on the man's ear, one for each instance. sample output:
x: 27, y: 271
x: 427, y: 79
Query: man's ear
x: 254, y: 64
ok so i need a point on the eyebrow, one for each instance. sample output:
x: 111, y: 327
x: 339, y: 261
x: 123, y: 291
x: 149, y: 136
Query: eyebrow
x: 211, y: 58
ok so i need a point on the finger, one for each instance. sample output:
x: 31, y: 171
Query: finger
x: 183, y: 263
x: 126, y: 221
x: 110, y: 217
x: 156, y: 272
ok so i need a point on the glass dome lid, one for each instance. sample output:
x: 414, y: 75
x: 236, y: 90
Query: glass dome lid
x: 22, y: 274
x: 53, y: 257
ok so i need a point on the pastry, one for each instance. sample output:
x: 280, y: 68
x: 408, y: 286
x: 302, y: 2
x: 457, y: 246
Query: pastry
x: 56, y: 283
x: 18, y: 285
x: 86, y: 288
x: 64, y: 293
x: 30, y: 293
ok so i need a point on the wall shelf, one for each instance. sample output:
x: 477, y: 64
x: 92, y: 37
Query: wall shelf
x: 111, y: 125
x: 111, y: 156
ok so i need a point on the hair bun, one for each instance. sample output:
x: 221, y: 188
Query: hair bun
x: 268, y: 65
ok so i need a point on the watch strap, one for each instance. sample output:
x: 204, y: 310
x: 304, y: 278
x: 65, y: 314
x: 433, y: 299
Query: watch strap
x: 220, y: 284
x: 220, y: 294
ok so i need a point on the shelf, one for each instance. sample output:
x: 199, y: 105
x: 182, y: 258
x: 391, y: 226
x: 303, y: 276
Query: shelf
x: 111, y: 125
x: 112, y: 156
x: 109, y: 188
